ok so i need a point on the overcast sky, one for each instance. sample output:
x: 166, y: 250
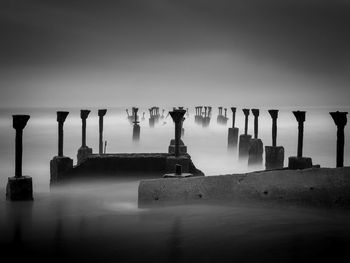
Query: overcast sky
x: 174, y: 52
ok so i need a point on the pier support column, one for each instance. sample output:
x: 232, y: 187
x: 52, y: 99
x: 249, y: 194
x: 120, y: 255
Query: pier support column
x: 19, y: 187
x: 84, y: 150
x: 274, y: 155
x: 233, y: 132
x: 178, y: 158
x: 340, y: 121
x: 136, y: 127
x: 300, y: 162
x: 60, y: 164
x: 244, y: 139
x: 256, y: 147
x: 101, y: 114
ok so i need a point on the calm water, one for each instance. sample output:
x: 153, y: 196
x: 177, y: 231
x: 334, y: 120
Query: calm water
x: 101, y: 220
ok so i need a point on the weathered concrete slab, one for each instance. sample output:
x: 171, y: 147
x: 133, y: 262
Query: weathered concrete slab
x: 117, y: 165
x: 320, y: 186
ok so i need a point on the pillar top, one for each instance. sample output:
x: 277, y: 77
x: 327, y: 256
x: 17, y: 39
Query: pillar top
x: 135, y: 110
x: 245, y: 111
x: 84, y: 114
x: 233, y: 109
x: 255, y: 112
x: 102, y: 112
x: 273, y: 114
x: 299, y: 115
x: 177, y: 115
x: 220, y: 107
x: 339, y: 118
x: 62, y: 115
x: 19, y: 121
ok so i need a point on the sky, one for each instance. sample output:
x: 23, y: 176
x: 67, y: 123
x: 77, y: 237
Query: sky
x: 104, y: 53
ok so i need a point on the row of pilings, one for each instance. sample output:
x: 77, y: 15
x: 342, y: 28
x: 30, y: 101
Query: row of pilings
x: 20, y: 187
x: 251, y: 148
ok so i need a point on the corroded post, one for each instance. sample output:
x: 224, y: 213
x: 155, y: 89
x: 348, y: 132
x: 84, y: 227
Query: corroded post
x: 256, y: 122
x: 136, y: 128
x: 300, y: 117
x: 83, y: 151
x: 300, y: 162
x: 177, y: 116
x: 101, y: 114
x: 19, y: 122
x: 274, y: 116
x: 233, y: 132
x: 84, y: 115
x: 274, y: 155
x: 19, y: 187
x: 246, y: 114
x: 61, y: 117
x: 340, y: 121
x: 233, y: 109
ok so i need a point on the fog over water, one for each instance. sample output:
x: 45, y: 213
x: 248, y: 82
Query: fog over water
x: 90, y: 220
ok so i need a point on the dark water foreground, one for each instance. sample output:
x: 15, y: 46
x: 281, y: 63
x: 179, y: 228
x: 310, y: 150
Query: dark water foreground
x: 101, y: 222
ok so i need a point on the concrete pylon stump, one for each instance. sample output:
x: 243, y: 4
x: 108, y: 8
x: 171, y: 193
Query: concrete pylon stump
x: 255, y: 152
x: 244, y: 144
x: 299, y: 162
x: 232, y: 140
x: 84, y: 151
x: 60, y: 164
x: 101, y: 114
x: 274, y: 155
x: 19, y: 187
x: 340, y: 121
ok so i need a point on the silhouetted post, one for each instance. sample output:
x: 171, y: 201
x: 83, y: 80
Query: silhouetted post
x: 233, y: 132
x: 274, y: 154
x: 340, y: 121
x: 60, y: 164
x: 61, y: 117
x: 151, y: 117
x: 136, y: 128
x: 205, y: 111
x: 19, y: 187
x: 274, y: 116
x: 101, y: 114
x: 244, y: 139
x: 256, y: 122
x: 300, y: 162
x: 256, y: 147
x: 177, y: 117
x: 83, y: 151
x: 225, y: 112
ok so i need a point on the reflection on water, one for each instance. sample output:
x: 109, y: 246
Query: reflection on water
x: 100, y: 221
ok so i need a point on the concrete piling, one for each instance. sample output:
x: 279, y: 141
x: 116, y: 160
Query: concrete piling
x: 274, y: 155
x: 244, y: 139
x: 256, y: 147
x: 84, y: 150
x: 136, y: 127
x: 60, y: 164
x: 101, y: 114
x: 340, y: 120
x: 233, y: 132
x: 19, y: 187
x: 300, y: 162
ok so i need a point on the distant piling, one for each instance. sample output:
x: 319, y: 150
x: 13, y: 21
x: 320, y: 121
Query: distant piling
x: 340, y: 120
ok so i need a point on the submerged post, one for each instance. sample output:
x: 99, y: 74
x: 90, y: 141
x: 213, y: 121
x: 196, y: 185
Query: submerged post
x: 136, y: 128
x: 340, y: 121
x: 61, y: 117
x: 244, y: 139
x: 19, y: 187
x: 177, y: 116
x: 101, y: 114
x: 233, y: 132
x: 274, y: 154
x: 256, y: 147
x: 83, y: 151
x: 300, y: 162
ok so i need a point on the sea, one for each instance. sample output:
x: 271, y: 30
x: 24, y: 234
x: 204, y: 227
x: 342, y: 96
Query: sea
x: 100, y: 221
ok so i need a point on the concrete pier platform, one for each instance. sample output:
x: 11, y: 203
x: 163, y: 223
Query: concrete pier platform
x: 121, y: 164
x: 316, y: 186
